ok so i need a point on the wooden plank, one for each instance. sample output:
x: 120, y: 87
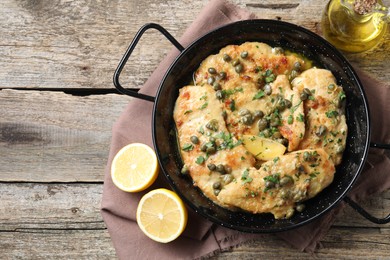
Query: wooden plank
x: 78, y: 44
x: 51, y: 136
x: 57, y: 244
x: 44, y: 220
x: 33, y: 205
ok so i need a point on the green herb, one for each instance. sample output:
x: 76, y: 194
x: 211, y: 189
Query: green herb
x: 300, y: 118
x: 258, y: 95
x: 276, y: 159
x: 331, y: 113
x: 228, y: 92
x: 201, y: 130
x: 187, y: 112
x: 204, y: 105
x: 311, y: 97
x: 245, y: 178
x: 228, y: 142
x: 273, y: 178
x: 292, y: 110
x: 342, y: 96
x: 242, y: 158
x: 187, y: 147
x: 232, y: 105
x: 203, y: 97
x: 269, y: 76
x: 290, y: 119
x: 200, y: 160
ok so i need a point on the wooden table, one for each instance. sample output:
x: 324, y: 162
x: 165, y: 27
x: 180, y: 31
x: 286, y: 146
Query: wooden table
x: 58, y: 104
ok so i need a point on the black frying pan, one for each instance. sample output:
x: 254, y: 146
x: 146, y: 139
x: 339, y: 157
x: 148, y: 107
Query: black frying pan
x: 275, y: 33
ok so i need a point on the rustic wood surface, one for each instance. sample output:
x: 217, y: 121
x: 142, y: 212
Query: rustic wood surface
x: 58, y: 104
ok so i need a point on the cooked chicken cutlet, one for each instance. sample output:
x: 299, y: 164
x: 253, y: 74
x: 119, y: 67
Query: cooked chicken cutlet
x: 250, y: 61
x: 281, y: 183
x: 325, y: 117
x: 205, y: 142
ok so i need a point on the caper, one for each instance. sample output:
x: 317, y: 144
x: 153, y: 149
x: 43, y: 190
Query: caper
x: 281, y: 106
x: 286, y: 180
x: 238, y: 68
x: 244, y: 54
x: 211, y: 150
x: 303, y: 96
x: 194, y: 139
x: 267, y: 133
x: 277, y: 135
x: 211, y: 166
x: 275, y: 121
x: 247, y: 119
x: 217, y: 185
x: 285, y: 194
x: 283, y: 141
x: 222, y: 75
x: 267, y: 89
x: 216, y: 86
x: 212, y: 71
x: 307, y: 91
x: 203, y: 147
x: 216, y: 192
x: 236, y: 62
x: 226, y: 57
x: 228, y: 178
x: 321, y: 130
x: 297, y: 66
x: 258, y: 114
x: 290, y: 212
x: 220, y: 168
x: 244, y: 112
x: 278, y: 50
x: 300, y: 207
x: 211, y: 80
x: 185, y: 170
x: 331, y: 87
x: 301, y: 169
x: 219, y: 94
x: 262, y: 124
x: 212, y: 125
x: 269, y: 184
x: 287, y: 103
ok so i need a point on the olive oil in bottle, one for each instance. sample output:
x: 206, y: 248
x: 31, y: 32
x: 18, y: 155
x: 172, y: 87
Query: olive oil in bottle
x: 350, y: 31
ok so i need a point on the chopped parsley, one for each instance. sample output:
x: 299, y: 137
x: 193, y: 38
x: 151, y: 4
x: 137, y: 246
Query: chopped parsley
x: 229, y: 92
x: 245, y: 178
x: 204, y: 105
x: 342, y: 96
x: 187, y: 112
x: 300, y: 118
x: 228, y: 142
x: 232, y: 105
x: 332, y: 113
x: 292, y: 110
x: 200, y: 160
x: 290, y: 119
x: 258, y: 95
x: 187, y: 147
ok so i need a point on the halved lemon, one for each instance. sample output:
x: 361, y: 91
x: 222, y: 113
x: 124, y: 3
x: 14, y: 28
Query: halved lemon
x: 263, y: 148
x: 161, y: 215
x: 134, y: 168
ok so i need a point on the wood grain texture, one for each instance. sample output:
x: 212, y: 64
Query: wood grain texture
x: 51, y: 136
x: 78, y: 44
x: 41, y: 220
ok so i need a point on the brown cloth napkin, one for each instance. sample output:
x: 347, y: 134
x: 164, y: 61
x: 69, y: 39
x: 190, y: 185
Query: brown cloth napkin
x: 202, y: 238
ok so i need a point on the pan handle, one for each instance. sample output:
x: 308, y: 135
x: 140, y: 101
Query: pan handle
x: 365, y: 214
x: 380, y: 146
x: 128, y: 52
